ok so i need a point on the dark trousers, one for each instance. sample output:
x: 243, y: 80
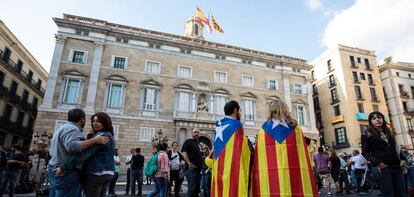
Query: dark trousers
x: 111, y: 189
x: 96, y: 186
x: 175, y: 177
x: 206, y: 184
x: 343, y: 181
x: 128, y: 180
x: 193, y: 178
x: 391, y: 182
x: 136, y: 176
x: 8, y: 177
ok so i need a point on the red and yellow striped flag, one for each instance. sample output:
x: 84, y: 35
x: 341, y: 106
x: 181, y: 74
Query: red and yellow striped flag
x: 231, y: 163
x: 216, y: 26
x: 282, y: 164
x: 203, y: 19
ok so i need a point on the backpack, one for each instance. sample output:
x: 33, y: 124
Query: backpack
x: 151, y: 168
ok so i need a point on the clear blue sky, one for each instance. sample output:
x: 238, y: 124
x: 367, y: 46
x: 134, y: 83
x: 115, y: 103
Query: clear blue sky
x: 300, y: 28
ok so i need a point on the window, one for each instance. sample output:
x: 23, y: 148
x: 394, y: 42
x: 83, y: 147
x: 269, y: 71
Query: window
x: 272, y: 85
x: 340, y: 135
x: 19, y: 120
x: 119, y: 62
x: 397, y: 73
x: 316, y: 103
x: 79, y: 57
x: 362, y: 76
x: 25, y: 96
x: 220, y: 77
x: 358, y: 93
x: 401, y: 88
x: 247, y: 81
x: 367, y: 66
x: 373, y: 94
x: 405, y: 106
x: 34, y: 102
x: 146, y: 134
x: 30, y: 123
x: 370, y: 80
x: 39, y: 84
x: 71, y: 91
x: 184, y: 101
x: 19, y: 66
x: 1, y: 78
x: 29, y: 76
x: 300, y: 115
x: 355, y: 76
x: 332, y: 81
x: 152, y: 67
x: 409, y: 124
x: 409, y: 75
x: 7, y: 112
x: 13, y: 88
x: 315, y: 89
x: 329, y: 64
x: 6, y: 54
x: 337, y: 110
x: 358, y: 60
x: 150, y: 99
x: 115, y: 95
x: 360, y: 108
x: 299, y: 89
x: 184, y: 71
x: 351, y: 58
x: 249, y: 109
x: 219, y: 102
x: 375, y: 108
x: 334, y: 95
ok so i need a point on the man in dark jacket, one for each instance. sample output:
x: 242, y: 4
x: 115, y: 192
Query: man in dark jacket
x: 137, y: 166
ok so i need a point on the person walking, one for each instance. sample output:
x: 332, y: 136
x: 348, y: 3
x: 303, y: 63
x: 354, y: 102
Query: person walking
x: 206, y: 173
x: 379, y: 148
x: 128, y: 164
x: 281, y: 165
x: 66, y: 142
x: 343, y: 176
x: 137, y: 167
x: 97, y: 161
x: 162, y: 177
x: 323, y: 167
x: 358, y: 166
x: 176, y: 159
x: 193, y: 158
x: 14, y: 163
x: 336, y: 171
x: 117, y: 160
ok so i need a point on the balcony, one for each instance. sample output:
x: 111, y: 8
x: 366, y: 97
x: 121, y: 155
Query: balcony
x: 357, y: 81
x: 12, y: 127
x: 361, y: 116
x: 331, y: 85
x: 338, y: 119
x: 360, y: 98
x: 197, y: 115
x: 374, y: 99
x: 404, y: 95
x: 3, y: 91
x: 341, y: 145
x: 24, y: 77
x: 409, y: 111
x: 13, y: 98
x: 334, y: 101
x: 411, y: 130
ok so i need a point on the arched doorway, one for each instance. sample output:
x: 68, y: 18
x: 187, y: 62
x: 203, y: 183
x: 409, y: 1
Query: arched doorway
x: 206, y: 140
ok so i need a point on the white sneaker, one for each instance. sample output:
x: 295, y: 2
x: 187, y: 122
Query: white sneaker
x: 329, y: 193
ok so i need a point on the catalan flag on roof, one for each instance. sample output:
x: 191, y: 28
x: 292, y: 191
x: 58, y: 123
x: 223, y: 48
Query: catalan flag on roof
x: 203, y: 19
x: 231, y: 162
x: 216, y: 26
x: 282, y: 164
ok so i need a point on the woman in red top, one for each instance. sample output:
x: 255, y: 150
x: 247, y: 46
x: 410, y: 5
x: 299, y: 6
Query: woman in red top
x: 162, y: 177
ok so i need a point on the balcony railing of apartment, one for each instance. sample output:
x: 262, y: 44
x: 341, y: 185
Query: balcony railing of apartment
x: 357, y: 81
x: 19, y: 72
x: 404, y: 94
x: 332, y: 84
x: 334, y: 101
x: 409, y: 111
x: 337, y: 119
x: 371, y: 83
x: 341, y: 145
x: 197, y: 115
x: 360, y: 98
x: 374, y: 99
x: 368, y: 68
x: 410, y: 129
x: 10, y: 126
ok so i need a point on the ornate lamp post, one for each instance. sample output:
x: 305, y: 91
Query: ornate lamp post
x: 159, y: 138
x: 41, y: 142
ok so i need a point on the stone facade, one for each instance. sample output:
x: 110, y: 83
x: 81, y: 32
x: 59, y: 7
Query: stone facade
x: 22, y: 83
x: 346, y: 88
x: 398, y: 84
x: 148, y: 80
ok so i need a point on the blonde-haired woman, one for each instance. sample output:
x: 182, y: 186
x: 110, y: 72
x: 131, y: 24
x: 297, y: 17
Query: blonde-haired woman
x: 282, y: 165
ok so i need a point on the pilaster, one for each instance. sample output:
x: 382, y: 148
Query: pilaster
x: 286, y: 86
x: 93, y: 80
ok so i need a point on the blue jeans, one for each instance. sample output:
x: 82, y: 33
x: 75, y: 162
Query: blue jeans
x: 160, y: 187
x: 66, y: 185
x: 193, y: 179
x: 206, y: 184
x: 11, y: 178
x: 391, y: 181
x: 51, y: 178
x: 136, y: 176
x: 111, y: 188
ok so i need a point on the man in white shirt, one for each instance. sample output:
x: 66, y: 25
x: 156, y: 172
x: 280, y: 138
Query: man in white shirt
x: 128, y: 164
x: 358, y: 165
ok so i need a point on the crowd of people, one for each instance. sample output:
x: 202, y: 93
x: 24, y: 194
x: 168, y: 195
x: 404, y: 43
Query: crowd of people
x: 91, y: 166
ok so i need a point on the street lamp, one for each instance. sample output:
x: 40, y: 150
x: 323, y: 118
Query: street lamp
x: 41, y: 142
x: 159, y: 138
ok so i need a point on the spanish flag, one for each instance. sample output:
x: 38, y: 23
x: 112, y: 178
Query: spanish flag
x: 231, y: 162
x: 203, y: 19
x: 282, y: 164
x: 216, y: 26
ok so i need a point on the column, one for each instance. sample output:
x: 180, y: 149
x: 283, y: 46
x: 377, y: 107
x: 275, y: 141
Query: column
x: 286, y: 86
x: 310, y: 104
x: 53, y: 73
x: 93, y: 80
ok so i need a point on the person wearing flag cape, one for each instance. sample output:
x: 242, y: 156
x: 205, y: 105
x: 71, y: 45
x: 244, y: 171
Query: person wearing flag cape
x: 231, y: 155
x: 282, y: 165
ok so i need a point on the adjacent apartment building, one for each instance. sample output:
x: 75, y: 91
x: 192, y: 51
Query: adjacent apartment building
x: 398, y: 84
x: 22, y: 87
x: 346, y: 88
x: 149, y: 81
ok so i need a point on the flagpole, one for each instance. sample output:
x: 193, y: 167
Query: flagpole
x: 194, y: 21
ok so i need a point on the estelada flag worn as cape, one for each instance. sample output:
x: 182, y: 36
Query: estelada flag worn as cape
x: 231, y: 160
x: 281, y: 164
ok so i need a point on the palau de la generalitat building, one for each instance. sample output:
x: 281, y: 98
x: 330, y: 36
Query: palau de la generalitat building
x: 149, y: 81
x: 22, y: 87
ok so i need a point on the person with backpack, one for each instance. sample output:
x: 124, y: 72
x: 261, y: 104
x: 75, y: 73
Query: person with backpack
x: 162, y: 176
x: 137, y: 166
